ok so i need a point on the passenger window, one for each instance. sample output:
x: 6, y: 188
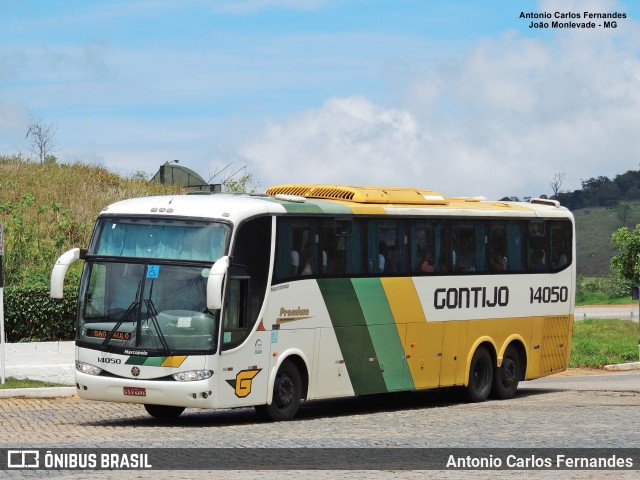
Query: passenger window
x: 505, y: 249
x: 468, y: 247
x: 335, y: 235
x: 537, y: 251
x: 387, y: 247
x: 561, y: 241
x: 297, y: 248
x: 429, y: 247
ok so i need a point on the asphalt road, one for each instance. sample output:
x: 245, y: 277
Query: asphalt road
x: 592, y: 411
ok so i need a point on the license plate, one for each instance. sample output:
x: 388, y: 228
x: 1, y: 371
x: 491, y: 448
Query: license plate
x: 135, y: 391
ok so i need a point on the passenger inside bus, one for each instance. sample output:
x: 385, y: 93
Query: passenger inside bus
x: 426, y: 266
x: 498, y: 261
x: 538, y: 259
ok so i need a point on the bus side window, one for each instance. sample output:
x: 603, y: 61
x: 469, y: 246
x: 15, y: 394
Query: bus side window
x: 235, y: 314
x: 561, y: 241
x: 537, y: 256
x: 353, y: 248
x: 469, y: 247
x: 429, y: 247
x: 334, y: 234
x: 387, y: 247
x: 298, y: 251
x: 505, y: 248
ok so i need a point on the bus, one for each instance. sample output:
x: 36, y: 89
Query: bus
x: 319, y: 291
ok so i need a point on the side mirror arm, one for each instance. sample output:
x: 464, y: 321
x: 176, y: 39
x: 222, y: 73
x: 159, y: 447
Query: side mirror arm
x: 60, y: 270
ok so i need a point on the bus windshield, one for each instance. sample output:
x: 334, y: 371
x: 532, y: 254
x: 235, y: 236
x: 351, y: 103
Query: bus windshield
x: 150, y: 306
x: 144, y: 284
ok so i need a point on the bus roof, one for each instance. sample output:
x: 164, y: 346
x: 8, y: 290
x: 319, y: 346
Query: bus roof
x: 330, y: 200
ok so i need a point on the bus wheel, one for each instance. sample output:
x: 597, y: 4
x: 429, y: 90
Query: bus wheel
x: 480, y: 376
x: 506, y: 378
x: 163, y: 412
x: 287, y: 391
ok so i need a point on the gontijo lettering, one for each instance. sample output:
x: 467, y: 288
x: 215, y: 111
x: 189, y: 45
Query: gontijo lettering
x: 474, y: 297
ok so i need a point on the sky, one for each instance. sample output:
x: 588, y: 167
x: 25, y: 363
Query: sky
x: 460, y: 97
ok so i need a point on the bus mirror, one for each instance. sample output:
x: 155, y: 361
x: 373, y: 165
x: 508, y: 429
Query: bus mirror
x: 215, y: 282
x: 60, y: 270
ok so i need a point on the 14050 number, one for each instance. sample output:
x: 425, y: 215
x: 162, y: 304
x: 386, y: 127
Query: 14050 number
x: 548, y: 294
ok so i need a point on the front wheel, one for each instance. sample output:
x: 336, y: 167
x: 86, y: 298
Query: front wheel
x: 480, y: 376
x: 163, y: 412
x: 287, y: 393
x: 506, y: 378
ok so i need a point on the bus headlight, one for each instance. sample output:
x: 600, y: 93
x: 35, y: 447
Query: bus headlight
x: 192, y: 375
x: 88, y: 368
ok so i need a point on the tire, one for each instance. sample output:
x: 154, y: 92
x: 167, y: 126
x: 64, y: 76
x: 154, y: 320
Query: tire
x: 163, y: 412
x: 507, y: 376
x: 287, y: 392
x: 480, y: 376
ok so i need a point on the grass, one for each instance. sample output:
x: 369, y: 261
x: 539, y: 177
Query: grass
x: 11, y: 382
x: 603, y: 298
x: 602, y: 342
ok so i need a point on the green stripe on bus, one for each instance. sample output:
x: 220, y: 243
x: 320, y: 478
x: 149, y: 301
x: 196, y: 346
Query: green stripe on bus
x: 384, y: 333
x: 135, y: 360
x: 353, y: 335
x: 147, y: 361
x: 154, y: 361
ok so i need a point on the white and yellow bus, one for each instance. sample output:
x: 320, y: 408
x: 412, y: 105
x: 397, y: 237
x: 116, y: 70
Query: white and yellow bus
x: 319, y: 291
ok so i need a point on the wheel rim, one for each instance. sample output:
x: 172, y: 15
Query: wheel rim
x: 508, y: 375
x: 481, y: 375
x: 284, y: 391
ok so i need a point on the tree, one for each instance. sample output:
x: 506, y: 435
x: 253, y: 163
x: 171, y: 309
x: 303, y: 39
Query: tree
x: 235, y: 179
x: 623, y: 209
x: 556, y: 183
x: 627, y: 263
x: 42, y: 139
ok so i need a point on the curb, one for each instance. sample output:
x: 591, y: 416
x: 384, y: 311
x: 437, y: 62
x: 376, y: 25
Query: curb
x: 46, y: 392
x: 623, y: 367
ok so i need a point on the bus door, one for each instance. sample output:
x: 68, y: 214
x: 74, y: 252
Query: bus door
x: 244, y: 345
x: 244, y: 357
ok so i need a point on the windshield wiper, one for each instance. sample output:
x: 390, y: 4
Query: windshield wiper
x: 151, y: 310
x: 133, y: 307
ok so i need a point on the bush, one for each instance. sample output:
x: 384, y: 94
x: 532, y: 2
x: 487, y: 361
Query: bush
x: 31, y: 315
x: 602, y: 290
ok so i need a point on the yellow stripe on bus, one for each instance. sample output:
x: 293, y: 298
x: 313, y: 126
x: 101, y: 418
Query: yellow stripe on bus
x: 174, y: 361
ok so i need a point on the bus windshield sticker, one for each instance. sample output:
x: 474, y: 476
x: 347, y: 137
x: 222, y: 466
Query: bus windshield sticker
x: 153, y: 271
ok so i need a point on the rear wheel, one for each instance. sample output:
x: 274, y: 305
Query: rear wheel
x: 480, y: 376
x: 287, y: 392
x: 507, y: 376
x: 163, y: 412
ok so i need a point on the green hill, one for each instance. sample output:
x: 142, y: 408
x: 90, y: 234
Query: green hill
x: 594, y: 227
x: 48, y: 208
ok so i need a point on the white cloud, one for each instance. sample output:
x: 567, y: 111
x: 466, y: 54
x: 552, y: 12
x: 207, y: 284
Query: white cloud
x: 500, y: 121
x: 347, y: 140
